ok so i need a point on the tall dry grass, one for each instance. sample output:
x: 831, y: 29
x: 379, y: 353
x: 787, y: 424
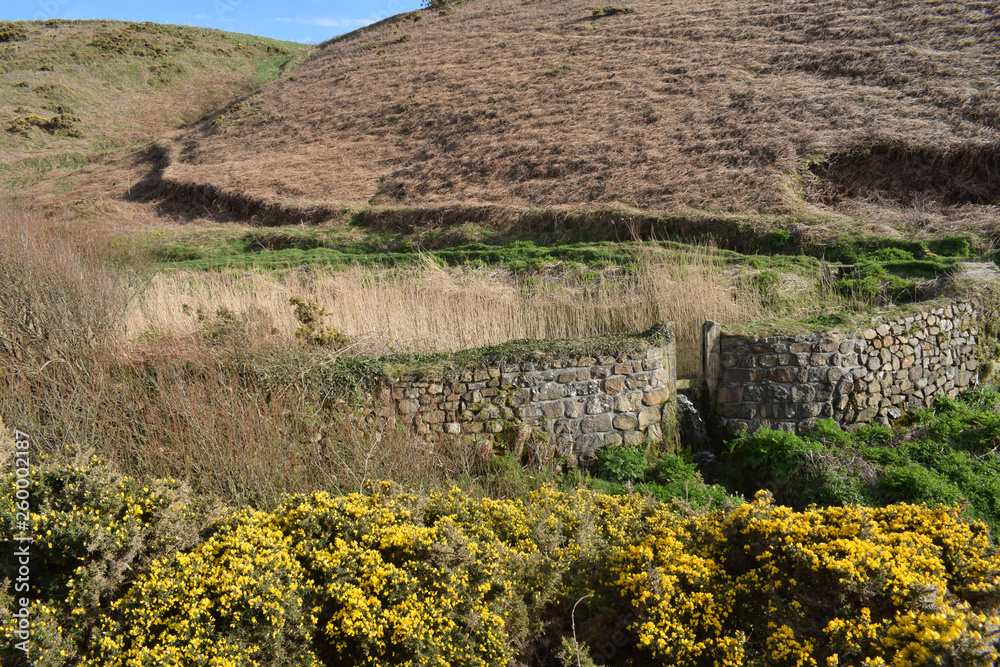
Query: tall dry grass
x: 433, y: 308
x: 243, y: 422
x: 57, y: 299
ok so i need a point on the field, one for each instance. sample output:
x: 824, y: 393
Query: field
x: 213, y: 245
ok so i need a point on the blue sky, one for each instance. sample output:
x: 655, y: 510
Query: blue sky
x: 308, y: 21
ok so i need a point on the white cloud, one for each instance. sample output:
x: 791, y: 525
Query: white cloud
x: 327, y: 22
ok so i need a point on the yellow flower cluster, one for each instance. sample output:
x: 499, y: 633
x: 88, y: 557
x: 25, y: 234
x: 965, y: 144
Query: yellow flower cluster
x: 385, y: 578
x: 901, y: 585
x: 358, y: 570
x: 221, y: 602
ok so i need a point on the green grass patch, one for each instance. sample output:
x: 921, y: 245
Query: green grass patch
x: 24, y: 172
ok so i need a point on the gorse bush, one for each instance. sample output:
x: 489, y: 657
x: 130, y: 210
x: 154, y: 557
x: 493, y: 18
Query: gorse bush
x: 312, y: 330
x: 389, y: 578
x: 95, y: 531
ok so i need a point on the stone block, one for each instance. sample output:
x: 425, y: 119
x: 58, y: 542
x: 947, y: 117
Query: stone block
x: 574, y: 409
x: 650, y: 415
x: 633, y: 437
x: 807, y: 410
x: 596, y: 423
x: 566, y: 426
x: 736, y: 376
x: 598, y: 404
x: 778, y: 375
x: 733, y: 411
x: 778, y: 410
x: 655, y: 397
x: 408, y: 406
x: 734, y: 394
x: 628, y: 402
x: 553, y: 409
x: 805, y: 426
x: 433, y: 417
x: 529, y: 411
x: 549, y: 391
x: 612, y: 439
x: 803, y: 393
x: 778, y: 392
x: 614, y: 385
x: 735, y: 426
x: 624, y: 422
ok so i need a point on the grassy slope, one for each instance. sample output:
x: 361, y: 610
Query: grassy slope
x: 681, y: 106
x: 116, y: 86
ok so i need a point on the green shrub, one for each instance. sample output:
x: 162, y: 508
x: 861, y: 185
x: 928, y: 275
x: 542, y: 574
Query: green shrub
x: 829, y: 432
x: 916, y: 484
x: 621, y: 464
x: 952, y: 246
x: 943, y: 454
x: 674, y: 478
x: 888, y: 254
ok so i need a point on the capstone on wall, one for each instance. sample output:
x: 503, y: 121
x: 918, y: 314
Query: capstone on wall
x: 870, y: 375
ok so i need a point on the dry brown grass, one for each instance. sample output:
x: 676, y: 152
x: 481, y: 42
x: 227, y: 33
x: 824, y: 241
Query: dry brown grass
x: 683, y: 104
x: 58, y: 302
x: 232, y: 416
x: 435, y: 308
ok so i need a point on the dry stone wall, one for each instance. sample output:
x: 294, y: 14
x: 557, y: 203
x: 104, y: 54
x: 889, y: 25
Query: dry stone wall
x: 579, y: 403
x: 870, y: 375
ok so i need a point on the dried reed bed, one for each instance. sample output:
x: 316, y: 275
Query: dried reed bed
x: 433, y: 308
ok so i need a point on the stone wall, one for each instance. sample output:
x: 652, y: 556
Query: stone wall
x: 790, y: 382
x: 579, y: 402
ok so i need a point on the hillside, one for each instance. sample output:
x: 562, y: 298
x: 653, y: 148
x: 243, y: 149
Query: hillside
x: 77, y: 98
x: 875, y: 112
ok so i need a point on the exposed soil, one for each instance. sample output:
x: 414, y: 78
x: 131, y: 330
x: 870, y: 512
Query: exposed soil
x: 958, y: 174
